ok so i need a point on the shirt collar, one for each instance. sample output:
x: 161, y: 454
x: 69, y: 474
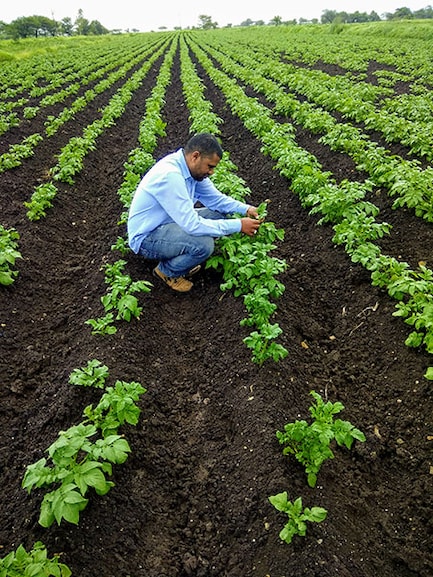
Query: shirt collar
x: 182, y: 163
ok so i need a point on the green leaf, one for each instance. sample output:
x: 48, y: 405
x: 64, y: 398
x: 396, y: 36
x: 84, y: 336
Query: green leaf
x: 429, y: 374
x: 310, y: 444
x: 66, y: 503
x: 312, y: 479
x: 34, y: 569
x: 6, y: 277
x: 36, y: 475
x: 414, y: 339
x: 358, y: 435
x: 297, y: 507
x: 301, y: 527
x: 114, y: 448
x: 21, y: 554
x: 128, y: 307
x: 89, y: 474
x: 287, y: 533
x: 428, y: 341
x: 316, y: 514
x: 279, y: 501
x: 46, y: 515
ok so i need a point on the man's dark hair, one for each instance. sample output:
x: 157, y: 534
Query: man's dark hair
x: 205, y: 143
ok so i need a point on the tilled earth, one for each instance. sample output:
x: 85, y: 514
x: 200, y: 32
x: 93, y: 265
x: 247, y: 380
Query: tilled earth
x: 192, y: 498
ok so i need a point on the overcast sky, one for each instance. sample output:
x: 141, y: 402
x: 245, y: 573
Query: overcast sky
x: 146, y: 16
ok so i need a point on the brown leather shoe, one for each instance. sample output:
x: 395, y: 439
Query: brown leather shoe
x: 179, y: 284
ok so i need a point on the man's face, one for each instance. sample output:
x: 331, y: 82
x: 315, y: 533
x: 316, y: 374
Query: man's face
x: 201, y: 166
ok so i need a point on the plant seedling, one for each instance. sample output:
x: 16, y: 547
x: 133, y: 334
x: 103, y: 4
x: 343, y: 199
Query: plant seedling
x: 8, y: 255
x: 298, y: 517
x: 310, y: 443
x: 93, y: 375
x: 34, y: 563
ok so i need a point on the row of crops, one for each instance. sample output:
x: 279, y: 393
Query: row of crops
x: 271, y: 81
x: 341, y: 109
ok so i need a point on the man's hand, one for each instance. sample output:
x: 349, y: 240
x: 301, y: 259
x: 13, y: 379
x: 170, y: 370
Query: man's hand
x: 250, y: 226
x: 252, y: 212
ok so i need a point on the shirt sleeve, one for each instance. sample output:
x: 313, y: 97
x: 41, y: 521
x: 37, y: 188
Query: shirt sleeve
x: 173, y: 196
x: 211, y: 197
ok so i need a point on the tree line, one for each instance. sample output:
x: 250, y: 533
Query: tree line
x: 39, y: 26
x: 330, y: 16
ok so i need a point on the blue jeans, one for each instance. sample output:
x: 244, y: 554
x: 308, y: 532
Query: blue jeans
x: 177, y: 251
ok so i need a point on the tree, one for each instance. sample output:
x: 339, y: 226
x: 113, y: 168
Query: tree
x: 95, y: 28
x: 85, y: 28
x: 343, y: 17
x: 426, y: 12
x: 402, y: 14
x: 328, y: 16
x: 66, y: 26
x: 206, y: 22
x: 306, y: 21
x: 357, y: 17
x: 3, y: 29
x: 32, y: 26
x: 81, y: 24
x: 276, y: 21
x: 35, y: 26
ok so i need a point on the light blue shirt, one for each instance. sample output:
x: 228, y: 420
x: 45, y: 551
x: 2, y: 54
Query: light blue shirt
x: 168, y: 193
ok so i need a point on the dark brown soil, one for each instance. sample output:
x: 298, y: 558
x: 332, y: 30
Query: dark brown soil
x: 192, y: 499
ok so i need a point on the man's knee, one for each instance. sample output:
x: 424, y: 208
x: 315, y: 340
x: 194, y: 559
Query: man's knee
x: 207, y: 246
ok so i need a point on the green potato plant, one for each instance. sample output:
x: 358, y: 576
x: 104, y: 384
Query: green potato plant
x: 33, y: 563
x: 93, y: 375
x: 76, y: 463
x: 249, y: 270
x: 311, y: 443
x: 119, y: 297
x: 9, y: 253
x: 297, y: 516
x: 81, y: 457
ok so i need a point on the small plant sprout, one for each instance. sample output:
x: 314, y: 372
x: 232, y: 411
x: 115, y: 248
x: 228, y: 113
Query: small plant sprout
x: 116, y: 407
x: 310, y: 443
x: 298, y: 516
x: 120, y: 297
x: 9, y: 253
x: 102, y: 325
x: 22, y: 563
x: 93, y: 375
